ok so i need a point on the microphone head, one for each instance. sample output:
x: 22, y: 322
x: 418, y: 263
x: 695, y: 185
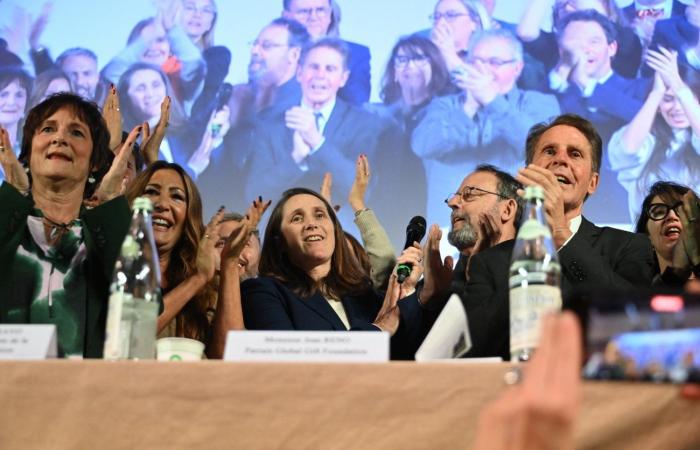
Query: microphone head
x: 415, y: 230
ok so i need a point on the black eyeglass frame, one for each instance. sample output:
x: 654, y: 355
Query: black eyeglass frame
x: 468, y: 191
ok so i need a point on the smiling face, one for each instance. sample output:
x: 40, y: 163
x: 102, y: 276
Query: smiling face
x: 61, y: 149
x: 83, y: 75
x: 588, y: 39
x: 271, y: 57
x: 466, y: 213
x: 315, y: 15
x: 158, y: 50
x: 146, y: 92
x: 197, y: 17
x: 672, y: 111
x: 321, y: 75
x: 308, y: 233
x: 166, y: 190
x: 13, y: 100
x: 566, y: 152
x: 412, y: 69
x: 665, y: 233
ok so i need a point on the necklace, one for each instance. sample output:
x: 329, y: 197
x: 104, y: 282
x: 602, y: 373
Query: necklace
x: 56, y: 229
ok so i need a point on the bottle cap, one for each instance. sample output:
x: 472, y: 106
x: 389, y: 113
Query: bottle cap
x: 143, y: 204
x: 534, y: 191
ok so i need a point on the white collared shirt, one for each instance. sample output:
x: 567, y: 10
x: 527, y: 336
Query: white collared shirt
x: 574, y: 225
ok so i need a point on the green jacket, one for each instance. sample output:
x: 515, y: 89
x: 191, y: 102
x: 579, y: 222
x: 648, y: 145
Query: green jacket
x: 104, y: 229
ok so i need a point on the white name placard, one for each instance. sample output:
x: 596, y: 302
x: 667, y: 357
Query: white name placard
x: 307, y: 346
x: 449, y: 337
x: 27, y: 341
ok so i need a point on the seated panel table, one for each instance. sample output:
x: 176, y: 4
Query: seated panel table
x: 213, y: 404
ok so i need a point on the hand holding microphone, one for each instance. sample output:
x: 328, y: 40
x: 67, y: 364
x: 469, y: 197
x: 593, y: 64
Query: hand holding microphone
x: 414, y: 233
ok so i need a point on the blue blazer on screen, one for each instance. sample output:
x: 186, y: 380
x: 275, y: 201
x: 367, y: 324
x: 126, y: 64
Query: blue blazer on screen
x: 269, y: 304
x: 359, y: 85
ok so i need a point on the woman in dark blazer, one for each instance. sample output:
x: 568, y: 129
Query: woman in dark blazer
x: 311, y: 281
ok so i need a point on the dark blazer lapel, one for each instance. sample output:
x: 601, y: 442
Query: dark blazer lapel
x: 320, y: 305
x: 336, y: 119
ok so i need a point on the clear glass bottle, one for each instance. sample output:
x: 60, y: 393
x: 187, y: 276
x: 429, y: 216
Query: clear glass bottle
x: 135, y: 291
x: 535, y: 276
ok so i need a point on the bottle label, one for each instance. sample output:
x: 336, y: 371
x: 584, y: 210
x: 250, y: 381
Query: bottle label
x: 533, y: 229
x: 116, y: 346
x: 527, y: 306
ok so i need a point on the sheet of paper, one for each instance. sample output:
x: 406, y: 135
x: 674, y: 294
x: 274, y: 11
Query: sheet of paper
x: 449, y: 337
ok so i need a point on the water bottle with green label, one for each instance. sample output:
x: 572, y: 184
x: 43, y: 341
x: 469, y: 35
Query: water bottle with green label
x: 535, y: 276
x: 135, y: 291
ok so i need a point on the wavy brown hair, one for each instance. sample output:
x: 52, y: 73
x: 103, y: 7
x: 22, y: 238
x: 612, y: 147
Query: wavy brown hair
x: 192, y: 320
x: 345, y: 277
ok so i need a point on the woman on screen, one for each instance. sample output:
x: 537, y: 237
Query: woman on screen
x: 662, y: 142
x: 310, y: 281
x: 15, y: 89
x: 414, y: 75
x: 48, y: 83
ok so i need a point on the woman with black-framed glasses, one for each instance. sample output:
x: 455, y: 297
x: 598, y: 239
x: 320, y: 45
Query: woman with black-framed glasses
x: 670, y: 217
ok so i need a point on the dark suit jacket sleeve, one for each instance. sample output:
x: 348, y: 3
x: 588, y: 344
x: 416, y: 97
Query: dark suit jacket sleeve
x: 617, y: 260
x: 358, y: 87
x: 271, y: 169
x: 486, y: 303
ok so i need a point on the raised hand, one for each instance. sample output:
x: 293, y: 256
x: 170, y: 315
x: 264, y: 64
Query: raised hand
x: 113, y: 118
x: 553, y: 200
x: 540, y: 412
x: 437, y: 274
x: 480, y: 83
x: 389, y: 315
x: 14, y: 172
x: 241, y: 233
x: 37, y: 26
x: 208, y: 258
x: 412, y: 255
x: 327, y: 187
x: 300, y: 150
x: 356, y: 198
x: 665, y: 64
x: 151, y: 143
x: 690, y: 218
x: 113, y: 184
x: 303, y: 121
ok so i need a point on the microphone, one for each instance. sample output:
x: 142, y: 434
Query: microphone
x: 414, y: 233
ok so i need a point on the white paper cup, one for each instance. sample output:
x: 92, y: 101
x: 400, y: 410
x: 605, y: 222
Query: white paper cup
x: 179, y: 349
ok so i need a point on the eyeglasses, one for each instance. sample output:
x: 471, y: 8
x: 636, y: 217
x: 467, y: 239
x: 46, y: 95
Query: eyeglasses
x: 468, y: 194
x: 321, y: 11
x: 192, y: 8
x: 403, y: 60
x: 266, y: 45
x: 449, y: 16
x: 659, y: 211
x: 493, y: 62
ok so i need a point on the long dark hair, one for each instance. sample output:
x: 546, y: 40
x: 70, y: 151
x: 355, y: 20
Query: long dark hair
x: 664, y: 135
x: 345, y: 276
x: 415, y: 44
x: 192, y: 320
